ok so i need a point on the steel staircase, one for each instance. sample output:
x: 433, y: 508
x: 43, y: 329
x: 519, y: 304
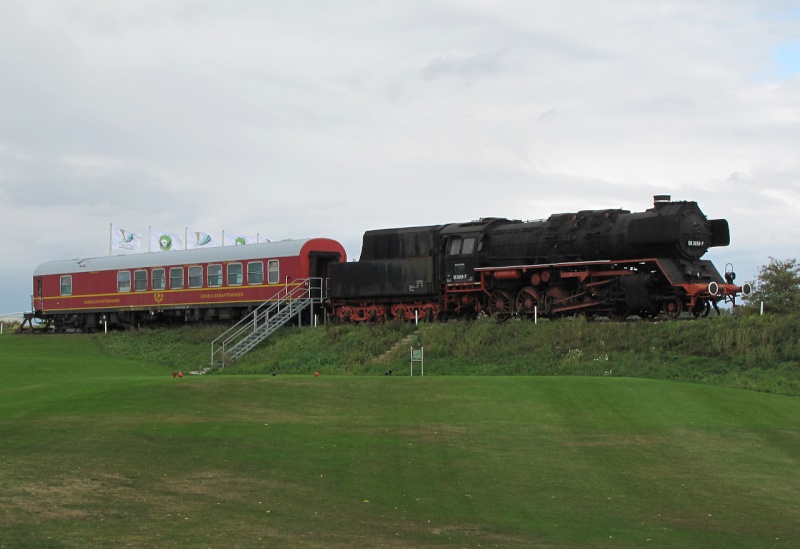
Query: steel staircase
x: 263, y: 321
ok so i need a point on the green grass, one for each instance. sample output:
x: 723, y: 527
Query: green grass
x: 112, y: 451
x: 756, y: 353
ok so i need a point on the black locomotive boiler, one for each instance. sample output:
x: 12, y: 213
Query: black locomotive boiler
x: 611, y: 263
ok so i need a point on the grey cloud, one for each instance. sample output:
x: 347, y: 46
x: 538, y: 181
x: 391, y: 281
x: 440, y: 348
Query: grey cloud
x: 475, y: 66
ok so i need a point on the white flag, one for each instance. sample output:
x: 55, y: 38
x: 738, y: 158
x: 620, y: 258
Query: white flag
x: 123, y: 239
x: 162, y: 241
x: 238, y: 239
x: 199, y: 239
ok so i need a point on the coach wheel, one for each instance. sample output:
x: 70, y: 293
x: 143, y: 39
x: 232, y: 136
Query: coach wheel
x: 500, y: 303
x: 701, y: 309
x: 672, y: 307
x: 527, y: 301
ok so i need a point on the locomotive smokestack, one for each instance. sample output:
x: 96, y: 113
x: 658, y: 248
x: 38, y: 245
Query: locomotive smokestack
x: 660, y: 199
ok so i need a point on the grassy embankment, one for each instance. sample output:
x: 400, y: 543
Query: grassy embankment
x: 758, y: 353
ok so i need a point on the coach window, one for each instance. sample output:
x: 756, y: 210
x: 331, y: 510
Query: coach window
x: 234, y: 274
x: 176, y: 278
x: 255, y: 272
x: 273, y: 271
x: 196, y: 277
x: 140, y: 280
x: 215, y: 275
x: 455, y: 246
x: 124, y: 281
x: 66, y: 285
x: 158, y: 279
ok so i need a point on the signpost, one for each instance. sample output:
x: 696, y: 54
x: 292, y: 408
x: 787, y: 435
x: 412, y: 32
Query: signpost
x: 417, y: 355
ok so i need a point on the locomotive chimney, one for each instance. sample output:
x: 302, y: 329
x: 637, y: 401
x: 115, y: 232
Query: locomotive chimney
x: 661, y: 199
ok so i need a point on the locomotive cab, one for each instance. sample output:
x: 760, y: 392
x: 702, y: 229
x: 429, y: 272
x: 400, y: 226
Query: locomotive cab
x: 460, y: 249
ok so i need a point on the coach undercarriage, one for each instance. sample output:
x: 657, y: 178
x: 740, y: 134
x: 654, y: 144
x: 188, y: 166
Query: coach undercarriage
x: 92, y: 321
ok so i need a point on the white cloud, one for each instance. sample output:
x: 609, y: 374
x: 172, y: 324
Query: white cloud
x: 325, y: 119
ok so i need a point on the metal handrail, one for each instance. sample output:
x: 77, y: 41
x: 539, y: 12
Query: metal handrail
x: 307, y: 289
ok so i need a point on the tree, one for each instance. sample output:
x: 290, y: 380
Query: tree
x: 778, y: 286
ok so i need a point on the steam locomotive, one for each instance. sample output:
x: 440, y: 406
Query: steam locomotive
x: 612, y: 263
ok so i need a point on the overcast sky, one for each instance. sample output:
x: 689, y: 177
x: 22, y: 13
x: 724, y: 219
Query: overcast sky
x: 318, y: 118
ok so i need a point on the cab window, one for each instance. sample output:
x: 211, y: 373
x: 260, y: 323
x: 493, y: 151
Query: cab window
x: 468, y: 247
x: 455, y: 246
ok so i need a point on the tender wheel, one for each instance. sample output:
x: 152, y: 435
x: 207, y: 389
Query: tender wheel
x: 400, y: 311
x: 527, y: 301
x: 672, y: 307
x: 500, y: 303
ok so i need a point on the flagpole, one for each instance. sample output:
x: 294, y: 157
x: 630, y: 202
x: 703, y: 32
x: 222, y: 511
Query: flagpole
x: 186, y: 238
x: 110, y: 236
x: 223, y: 237
x: 149, y: 236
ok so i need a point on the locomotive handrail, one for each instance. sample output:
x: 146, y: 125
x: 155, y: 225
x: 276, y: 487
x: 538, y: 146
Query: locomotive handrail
x: 286, y: 304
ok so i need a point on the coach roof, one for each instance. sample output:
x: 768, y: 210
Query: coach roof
x: 263, y: 250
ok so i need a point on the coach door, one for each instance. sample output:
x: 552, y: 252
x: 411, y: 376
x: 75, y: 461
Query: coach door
x: 38, y: 298
x: 320, y: 263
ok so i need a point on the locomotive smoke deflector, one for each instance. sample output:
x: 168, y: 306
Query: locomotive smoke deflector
x: 720, y: 234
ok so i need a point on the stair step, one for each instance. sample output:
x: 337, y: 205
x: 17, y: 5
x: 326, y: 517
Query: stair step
x: 266, y: 319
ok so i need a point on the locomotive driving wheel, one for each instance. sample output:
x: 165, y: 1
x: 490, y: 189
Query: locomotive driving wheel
x: 619, y: 312
x: 701, y: 309
x: 672, y: 307
x: 500, y: 303
x: 555, y: 297
x: 527, y: 301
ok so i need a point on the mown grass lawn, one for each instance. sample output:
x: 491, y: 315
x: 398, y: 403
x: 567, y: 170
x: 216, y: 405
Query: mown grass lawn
x: 114, y: 452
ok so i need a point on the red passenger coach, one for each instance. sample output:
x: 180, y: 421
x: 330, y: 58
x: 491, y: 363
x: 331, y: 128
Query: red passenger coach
x: 219, y: 283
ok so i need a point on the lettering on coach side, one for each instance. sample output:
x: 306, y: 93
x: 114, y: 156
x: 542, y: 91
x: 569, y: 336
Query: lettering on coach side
x: 221, y: 295
x: 107, y: 301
